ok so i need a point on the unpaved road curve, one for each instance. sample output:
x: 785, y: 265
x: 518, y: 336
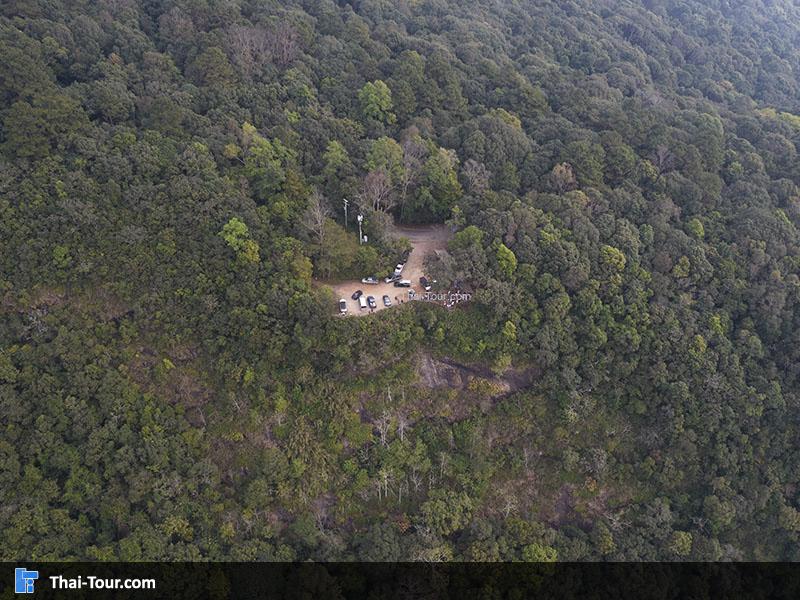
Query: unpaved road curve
x: 425, y: 239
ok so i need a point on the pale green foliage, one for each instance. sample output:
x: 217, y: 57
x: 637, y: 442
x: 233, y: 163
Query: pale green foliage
x: 539, y: 553
x: 386, y: 154
x: 237, y: 236
x: 506, y: 260
x: 681, y: 543
x: 376, y: 102
x: 612, y: 257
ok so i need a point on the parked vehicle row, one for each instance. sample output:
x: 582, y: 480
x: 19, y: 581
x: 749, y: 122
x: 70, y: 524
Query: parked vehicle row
x: 395, y: 278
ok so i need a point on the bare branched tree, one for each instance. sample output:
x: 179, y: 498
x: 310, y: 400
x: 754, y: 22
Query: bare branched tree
x: 563, y: 178
x: 509, y: 505
x: 444, y: 459
x: 415, y: 478
x: 316, y: 216
x: 476, y: 176
x: 376, y: 192
x: 385, y: 476
x: 402, y: 426
x: 663, y: 159
x: 383, y: 424
x: 284, y: 44
x: 250, y: 48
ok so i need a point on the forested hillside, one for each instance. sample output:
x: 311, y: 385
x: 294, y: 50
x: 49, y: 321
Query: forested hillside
x: 621, y: 179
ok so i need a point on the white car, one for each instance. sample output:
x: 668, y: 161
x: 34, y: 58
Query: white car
x: 370, y: 280
x: 399, y: 269
x: 343, y: 306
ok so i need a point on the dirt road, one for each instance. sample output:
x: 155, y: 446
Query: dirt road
x: 425, y: 239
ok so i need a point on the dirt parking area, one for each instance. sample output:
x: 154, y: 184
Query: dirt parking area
x: 425, y: 240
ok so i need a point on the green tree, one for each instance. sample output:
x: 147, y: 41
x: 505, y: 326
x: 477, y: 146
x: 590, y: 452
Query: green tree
x: 612, y: 257
x: 237, y: 236
x: 265, y: 162
x: 447, y: 511
x: 211, y: 68
x: 376, y: 102
x: 336, y: 159
x: 32, y: 129
x: 539, y: 553
x: 386, y: 154
x: 439, y: 189
x: 680, y: 543
x: 506, y: 261
x: 587, y: 160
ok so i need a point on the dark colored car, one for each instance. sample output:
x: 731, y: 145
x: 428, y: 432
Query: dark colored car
x: 386, y: 300
x: 402, y: 283
x: 357, y: 294
x: 371, y: 302
x: 423, y: 281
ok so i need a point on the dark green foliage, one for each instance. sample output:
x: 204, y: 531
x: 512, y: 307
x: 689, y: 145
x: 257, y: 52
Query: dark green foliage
x: 622, y: 187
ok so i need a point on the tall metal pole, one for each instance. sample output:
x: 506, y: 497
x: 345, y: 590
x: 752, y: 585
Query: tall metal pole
x: 346, y: 202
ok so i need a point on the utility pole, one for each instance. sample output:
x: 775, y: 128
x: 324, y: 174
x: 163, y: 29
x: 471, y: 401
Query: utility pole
x: 360, y: 236
x: 346, y: 202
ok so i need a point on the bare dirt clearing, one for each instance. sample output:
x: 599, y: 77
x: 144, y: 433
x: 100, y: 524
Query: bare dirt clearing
x: 425, y: 240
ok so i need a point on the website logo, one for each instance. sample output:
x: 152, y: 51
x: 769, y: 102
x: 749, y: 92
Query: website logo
x: 23, y: 580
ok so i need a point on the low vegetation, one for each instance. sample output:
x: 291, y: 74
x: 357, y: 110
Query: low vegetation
x: 622, y: 184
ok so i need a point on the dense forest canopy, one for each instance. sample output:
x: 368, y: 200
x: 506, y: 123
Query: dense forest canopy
x: 621, y: 180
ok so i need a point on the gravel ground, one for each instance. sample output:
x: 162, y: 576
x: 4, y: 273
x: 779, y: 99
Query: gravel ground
x: 425, y: 239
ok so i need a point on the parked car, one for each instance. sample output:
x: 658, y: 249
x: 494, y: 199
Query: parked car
x: 343, y: 306
x: 362, y: 302
x: 423, y: 281
x: 371, y: 302
x: 370, y: 280
x: 386, y: 300
x: 392, y: 278
x: 399, y: 269
x: 356, y: 295
x: 402, y: 283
